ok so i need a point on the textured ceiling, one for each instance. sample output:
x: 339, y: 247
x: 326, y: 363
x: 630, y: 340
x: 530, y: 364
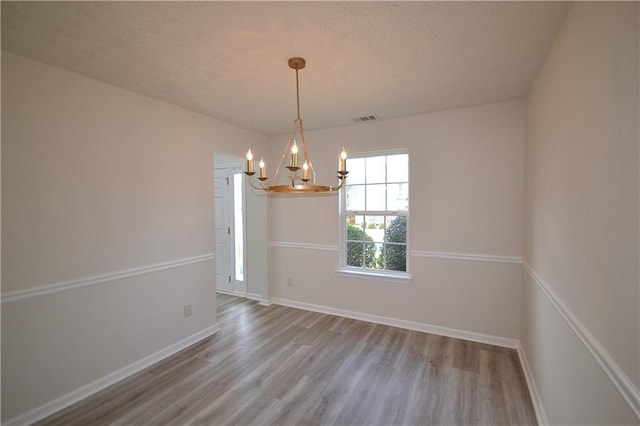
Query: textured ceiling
x: 228, y: 60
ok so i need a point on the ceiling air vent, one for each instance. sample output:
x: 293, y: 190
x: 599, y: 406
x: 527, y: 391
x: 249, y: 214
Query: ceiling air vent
x: 365, y: 118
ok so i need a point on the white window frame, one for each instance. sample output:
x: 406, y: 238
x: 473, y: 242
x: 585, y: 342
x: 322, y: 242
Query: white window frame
x: 379, y: 274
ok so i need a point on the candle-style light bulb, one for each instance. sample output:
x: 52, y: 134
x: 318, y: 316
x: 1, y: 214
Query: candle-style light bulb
x: 249, y: 161
x: 305, y: 171
x: 342, y: 165
x: 263, y: 172
x: 294, y: 155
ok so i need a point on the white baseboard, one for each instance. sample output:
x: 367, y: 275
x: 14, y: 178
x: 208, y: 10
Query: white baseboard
x: 233, y: 293
x: 409, y: 325
x: 87, y: 390
x: 258, y: 298
x: 251, y: 296
x: 536, y: 400
x: 254, y: 296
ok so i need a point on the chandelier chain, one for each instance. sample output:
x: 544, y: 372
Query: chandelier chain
x: 298, y: 95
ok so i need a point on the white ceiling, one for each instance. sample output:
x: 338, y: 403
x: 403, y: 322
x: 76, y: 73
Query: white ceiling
x: 228, y: 60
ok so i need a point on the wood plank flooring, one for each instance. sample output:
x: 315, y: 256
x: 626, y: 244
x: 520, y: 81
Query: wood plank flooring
x: 282, y: 366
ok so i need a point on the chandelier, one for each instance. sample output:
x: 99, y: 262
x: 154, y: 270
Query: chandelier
x: 294, y: 181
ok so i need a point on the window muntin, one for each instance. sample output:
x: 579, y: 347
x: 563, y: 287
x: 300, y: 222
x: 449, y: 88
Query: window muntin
x: 375, y: 208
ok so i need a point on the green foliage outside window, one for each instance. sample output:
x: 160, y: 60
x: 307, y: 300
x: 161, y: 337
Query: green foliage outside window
x: 361, y: 251
x: 396, y: 254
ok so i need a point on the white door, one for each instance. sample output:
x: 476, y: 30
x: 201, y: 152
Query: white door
x: 229, y: 228
x: 223, y: 230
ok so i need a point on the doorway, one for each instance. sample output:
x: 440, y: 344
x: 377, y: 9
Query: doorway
x: 230, y: 226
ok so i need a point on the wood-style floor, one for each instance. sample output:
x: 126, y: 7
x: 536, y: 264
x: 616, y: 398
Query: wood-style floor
x: 282, y: 366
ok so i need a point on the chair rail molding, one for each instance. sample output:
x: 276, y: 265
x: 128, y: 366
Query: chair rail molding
x: 468, y: 256
x: 100, y: 279
x: 621, y: 381
x: 308, y: 246
x: 516, y: 260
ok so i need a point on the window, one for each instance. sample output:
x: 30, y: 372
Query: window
x: 238, y: 230
x: 374, y: 213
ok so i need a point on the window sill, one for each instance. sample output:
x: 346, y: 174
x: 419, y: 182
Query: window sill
x: 403, y: 278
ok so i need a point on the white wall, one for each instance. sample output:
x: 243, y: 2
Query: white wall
x: 466, y: 172
x: 97, y: 181
x: 257, y: 270
x: 581, y: 218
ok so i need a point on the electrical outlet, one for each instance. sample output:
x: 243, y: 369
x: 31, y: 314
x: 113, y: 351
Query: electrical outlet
x: 290, y: 281
x: 187, y: 311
